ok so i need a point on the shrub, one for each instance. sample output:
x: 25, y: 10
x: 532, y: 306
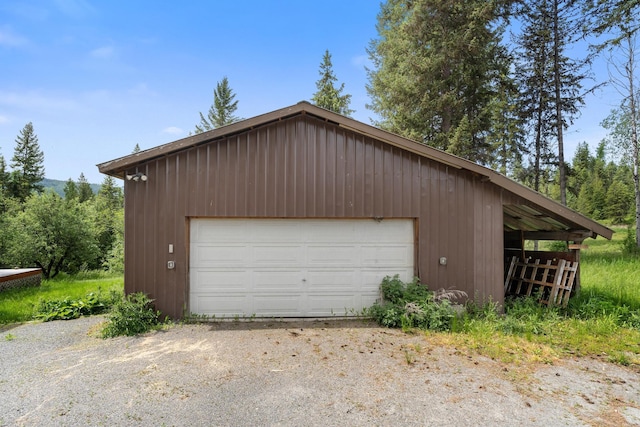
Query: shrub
x: 131, y: 315
x: 412, y: 305
x: 67, y: 308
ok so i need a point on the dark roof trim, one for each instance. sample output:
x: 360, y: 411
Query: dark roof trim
x: 118, y: 167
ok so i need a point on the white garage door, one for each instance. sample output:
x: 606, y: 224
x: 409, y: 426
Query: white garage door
x: 294, y: 268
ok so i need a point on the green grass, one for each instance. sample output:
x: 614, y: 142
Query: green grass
x: 602, y: 321
x: 609, y: 273
x: 18, y: 305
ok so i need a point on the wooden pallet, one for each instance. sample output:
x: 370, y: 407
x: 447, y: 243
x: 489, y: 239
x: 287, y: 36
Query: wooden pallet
x: 553, y: 282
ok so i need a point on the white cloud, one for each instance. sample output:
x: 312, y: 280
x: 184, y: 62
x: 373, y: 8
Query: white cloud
x: 104, y: 52
x: 35, y: 100
x: 10, y: 39
x: 173, y: 130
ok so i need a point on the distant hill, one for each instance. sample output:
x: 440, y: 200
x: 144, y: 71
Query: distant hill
x: 58, y: 186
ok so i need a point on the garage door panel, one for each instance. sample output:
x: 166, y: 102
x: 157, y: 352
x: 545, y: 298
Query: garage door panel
x: 220, y: 305
x: 337, y: 304
x: 329, y: 281
x: 278, y: 281
x: 277, y: 255
x: 221, y: 281
x: 333, y: 255
x: 278, y: 305
x: 219, y: 255
x: 269, y: 231
x: 294, y: 267
x: 228, y: 232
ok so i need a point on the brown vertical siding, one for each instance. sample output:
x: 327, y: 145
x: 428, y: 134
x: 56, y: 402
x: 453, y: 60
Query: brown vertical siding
x: 305, y: 167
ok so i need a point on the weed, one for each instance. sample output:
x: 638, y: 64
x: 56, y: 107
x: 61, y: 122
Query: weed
x: 411, y: 305
x: 67, y: 308
x: 130, y: 316
x: 409, y: 357
x: 9, y: 337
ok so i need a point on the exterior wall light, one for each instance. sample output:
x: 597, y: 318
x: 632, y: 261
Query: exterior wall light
x: 137, y: 177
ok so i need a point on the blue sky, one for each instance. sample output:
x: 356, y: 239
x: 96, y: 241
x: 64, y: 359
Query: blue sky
x: 98, y: 77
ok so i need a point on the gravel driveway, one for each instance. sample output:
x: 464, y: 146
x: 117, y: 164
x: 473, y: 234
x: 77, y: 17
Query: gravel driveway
x: 338, y: 373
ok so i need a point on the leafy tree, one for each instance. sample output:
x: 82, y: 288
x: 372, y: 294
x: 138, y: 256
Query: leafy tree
x: 435, y: 71
x: 221, y: 112
x: 328, y: 95
x: 624, y: 123
x: 53, y: 234
x: 27, y: 164
x: 114, y: 260
x: 108, y: 204
x: 85, y: 192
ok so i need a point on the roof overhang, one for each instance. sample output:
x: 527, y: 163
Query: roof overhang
x: 538, y: 216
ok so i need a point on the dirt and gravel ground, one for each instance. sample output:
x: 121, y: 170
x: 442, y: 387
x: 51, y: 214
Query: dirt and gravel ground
x: 339, y: 373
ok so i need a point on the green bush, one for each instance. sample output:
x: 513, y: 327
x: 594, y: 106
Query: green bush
x: 131, y: 315
x: 411, y: 305
x: 68, y: 308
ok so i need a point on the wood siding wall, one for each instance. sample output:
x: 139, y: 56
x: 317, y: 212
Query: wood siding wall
x: 302, y: 167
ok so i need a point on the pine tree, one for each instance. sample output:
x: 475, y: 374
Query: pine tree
x: 108, y: 203
x: 551, y: 83
x: 70, y: 190
x: 27, y: 164
x: 84, y: 189
x: 607, y: 16
x: 136, y: 149
x: 506, y: 137
x: 435, y: 71
x: 4, y: 175
x: 328, y: 96
x: 221, y: 112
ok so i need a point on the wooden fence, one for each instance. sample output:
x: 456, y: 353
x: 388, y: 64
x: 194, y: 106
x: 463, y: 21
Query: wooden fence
x: 552, y: 280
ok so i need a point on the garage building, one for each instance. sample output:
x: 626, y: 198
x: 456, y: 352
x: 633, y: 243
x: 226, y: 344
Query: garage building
x: 301, y: 212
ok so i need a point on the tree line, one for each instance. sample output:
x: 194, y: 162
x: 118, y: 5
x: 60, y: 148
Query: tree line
x: 453, y: 75
x: 38, y: 228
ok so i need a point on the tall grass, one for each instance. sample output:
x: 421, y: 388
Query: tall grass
x: 18, y: 305
x: 609, y: 273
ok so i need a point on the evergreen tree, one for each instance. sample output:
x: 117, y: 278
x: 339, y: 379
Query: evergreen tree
x: 4, y: 175
x: 607, y: 16
x: 108, y: 203
x: 221, y: 112
x: 618, y: 202
x: 136, y: 149
x: 435, y: 71
x: 70, y: 190
x: 506, y: 137
x: 551, y: 81
x: 84, y: 189
x: 27, y: 164
x: 328, y: 96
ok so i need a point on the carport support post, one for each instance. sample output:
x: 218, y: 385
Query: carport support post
x: 576, y: 255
